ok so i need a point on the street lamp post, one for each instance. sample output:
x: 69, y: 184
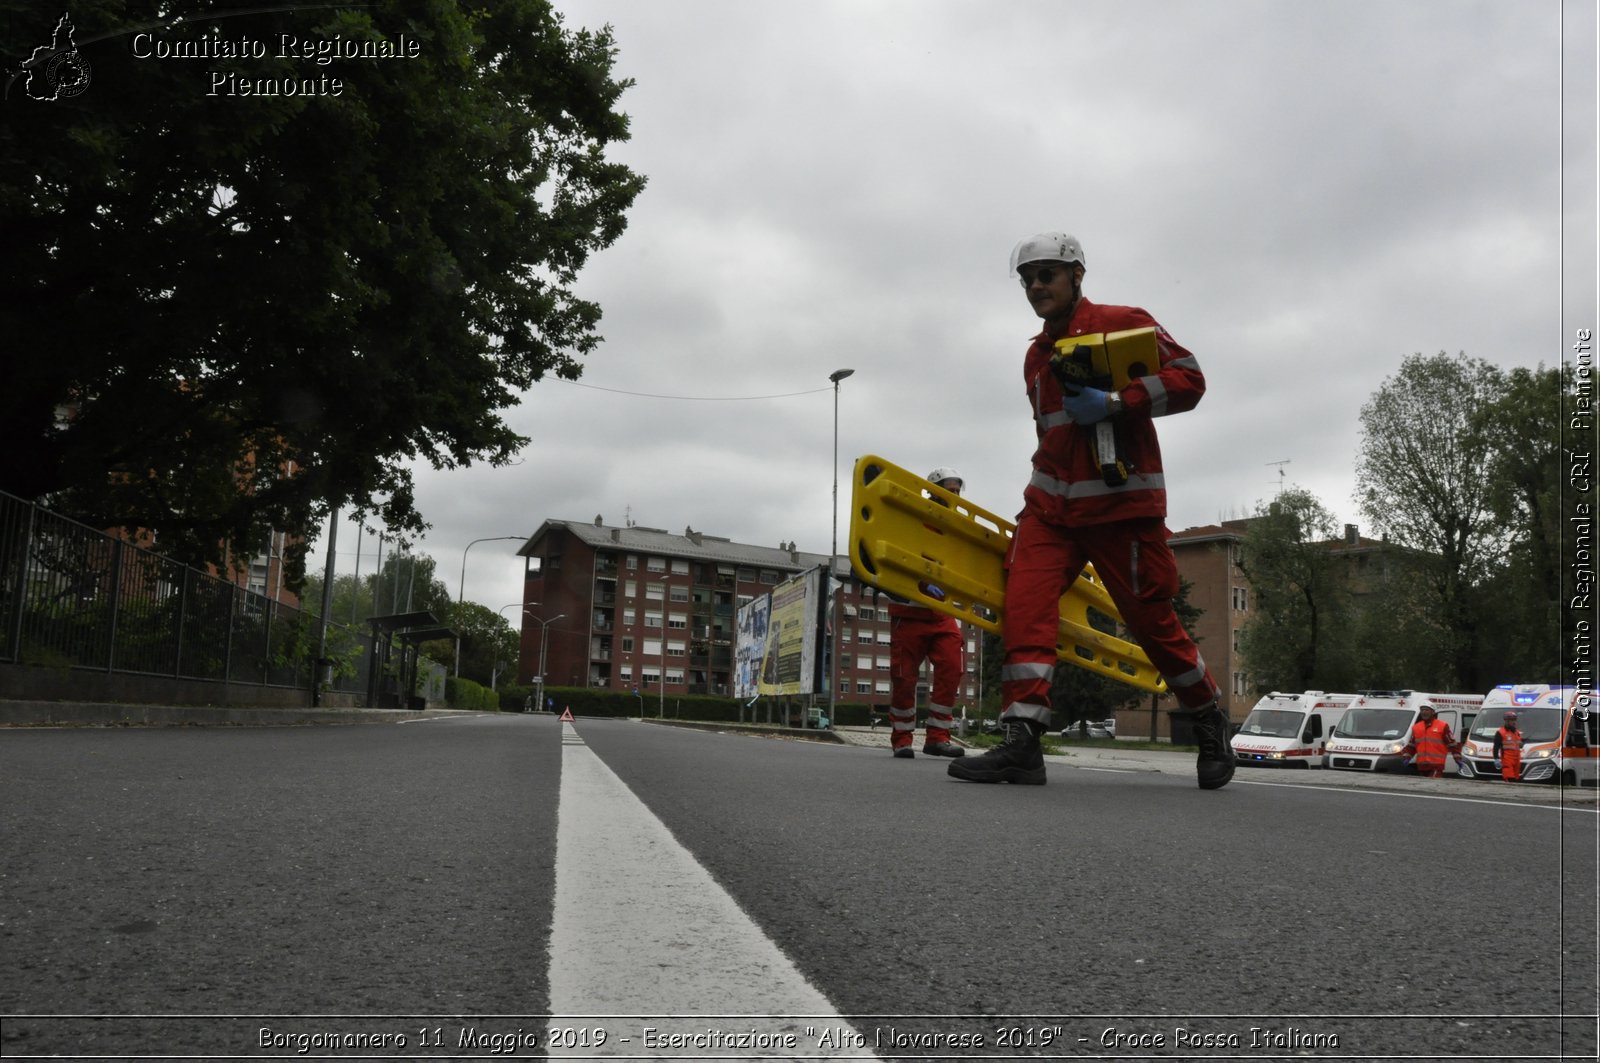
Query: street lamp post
x: 461, y: 590
x: 833, y: 552
x: 544, y: 643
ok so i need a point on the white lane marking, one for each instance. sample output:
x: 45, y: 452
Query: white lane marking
x: 1418, y: 797
x: 437, y: 719
x: 642, y: 935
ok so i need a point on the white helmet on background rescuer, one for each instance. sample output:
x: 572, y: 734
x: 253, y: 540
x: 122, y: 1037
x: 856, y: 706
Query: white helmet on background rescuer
x: 1047, y: 247
x: 940, y: 475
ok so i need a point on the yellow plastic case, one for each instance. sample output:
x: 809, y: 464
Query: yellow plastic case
x: 901, y: 539
x: 1123, y: 356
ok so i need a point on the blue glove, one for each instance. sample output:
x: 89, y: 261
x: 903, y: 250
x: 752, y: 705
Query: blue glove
x: 1087, y: 406
x: 931, y: 591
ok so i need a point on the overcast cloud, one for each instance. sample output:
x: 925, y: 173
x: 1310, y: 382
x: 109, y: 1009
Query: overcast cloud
x: 1303, y: 193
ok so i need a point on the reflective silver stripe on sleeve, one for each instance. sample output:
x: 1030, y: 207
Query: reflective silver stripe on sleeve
x: 1013, y: 672
x: 1095, y: 488
x: 1054, y: 420
x: 1158, y: 395
x: 1191, y: 677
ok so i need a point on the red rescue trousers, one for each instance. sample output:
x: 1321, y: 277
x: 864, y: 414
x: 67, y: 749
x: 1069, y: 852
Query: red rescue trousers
x: 915, y: 634
x: 1136, y: 565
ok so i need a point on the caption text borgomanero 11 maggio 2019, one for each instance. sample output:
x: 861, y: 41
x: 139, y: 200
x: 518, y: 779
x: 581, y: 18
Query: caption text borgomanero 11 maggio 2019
x: 321, y: 50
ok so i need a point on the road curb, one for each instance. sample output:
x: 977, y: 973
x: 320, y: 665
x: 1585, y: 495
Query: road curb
x: 113, y: 714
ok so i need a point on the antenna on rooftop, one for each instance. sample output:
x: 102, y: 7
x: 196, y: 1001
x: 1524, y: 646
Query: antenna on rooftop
x: 1280, y: 465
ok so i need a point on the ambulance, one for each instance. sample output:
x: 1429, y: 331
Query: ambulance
x: 1558, y: 734
x: 1377, y: 725
x: 1288, y: 730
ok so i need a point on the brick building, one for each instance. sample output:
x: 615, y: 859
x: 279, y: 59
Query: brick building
x: 620, y: 608
x: 1208, y: 557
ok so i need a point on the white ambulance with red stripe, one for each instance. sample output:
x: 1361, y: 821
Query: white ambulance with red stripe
x: 1377, y: 725
x: 1558, y: 726
x: 1288, y: 730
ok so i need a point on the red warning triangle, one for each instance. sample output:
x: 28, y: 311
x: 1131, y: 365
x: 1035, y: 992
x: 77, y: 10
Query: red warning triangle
x: 566, y: 716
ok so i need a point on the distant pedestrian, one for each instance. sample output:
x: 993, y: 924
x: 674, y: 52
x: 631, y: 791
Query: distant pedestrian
x: 917, y: 633
x: 1508, y: 749
x: 1429, y: 743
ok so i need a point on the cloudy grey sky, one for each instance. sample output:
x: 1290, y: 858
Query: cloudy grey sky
x: 1302, y: 191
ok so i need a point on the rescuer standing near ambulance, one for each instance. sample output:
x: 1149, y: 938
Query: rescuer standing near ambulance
x: 917, y: 633
x: 1430, y: 742
x: 1508, y: 749
x: 1074, y: 513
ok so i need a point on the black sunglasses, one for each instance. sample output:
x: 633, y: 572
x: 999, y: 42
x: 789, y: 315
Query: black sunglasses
x: 1044, y: 275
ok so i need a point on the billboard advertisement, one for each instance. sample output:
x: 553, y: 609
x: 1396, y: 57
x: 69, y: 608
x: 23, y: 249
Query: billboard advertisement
x: 777, y: 651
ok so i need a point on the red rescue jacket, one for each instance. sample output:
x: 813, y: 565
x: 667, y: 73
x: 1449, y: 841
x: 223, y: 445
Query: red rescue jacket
x: 1066, y: 487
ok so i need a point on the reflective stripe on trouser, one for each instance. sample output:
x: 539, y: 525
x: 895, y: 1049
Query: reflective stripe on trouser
x: 912, y: 639
x: 1137, y: 567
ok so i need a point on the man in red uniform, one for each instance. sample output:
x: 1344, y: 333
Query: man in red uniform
x: 1430, y: 742
x: 917, y: 633
x: 1073, y: 513
x: 1508, y: 749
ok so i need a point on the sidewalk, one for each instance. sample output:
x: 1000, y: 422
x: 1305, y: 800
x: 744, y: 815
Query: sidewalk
x: 1180, y: 762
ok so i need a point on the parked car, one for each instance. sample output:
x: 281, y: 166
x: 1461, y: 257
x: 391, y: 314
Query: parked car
x: 1090, y: 729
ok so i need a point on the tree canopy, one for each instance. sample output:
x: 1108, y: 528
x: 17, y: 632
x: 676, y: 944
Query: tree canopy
x: 232, y: 312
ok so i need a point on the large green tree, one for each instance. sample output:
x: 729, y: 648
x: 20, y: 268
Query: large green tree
x: 228, y: 312
x: 1520, y: 628
x: 1299, y: 637
x: 1421, y: 479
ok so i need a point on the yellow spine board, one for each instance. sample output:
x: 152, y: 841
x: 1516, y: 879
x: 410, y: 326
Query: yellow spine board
x: 900, y: 538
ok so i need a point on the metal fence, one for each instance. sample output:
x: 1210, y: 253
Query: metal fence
x: 72, y: 596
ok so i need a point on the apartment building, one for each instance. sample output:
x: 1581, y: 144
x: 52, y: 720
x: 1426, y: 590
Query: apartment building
x: 1208, y: 558
x: 632, y: 608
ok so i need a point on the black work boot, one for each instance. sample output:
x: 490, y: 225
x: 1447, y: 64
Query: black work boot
x: 943, y: 748
x: 1215, y: 764
x: 1019, y: 759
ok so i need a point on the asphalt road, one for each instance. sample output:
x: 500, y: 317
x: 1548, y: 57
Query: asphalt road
x: 492, y: 885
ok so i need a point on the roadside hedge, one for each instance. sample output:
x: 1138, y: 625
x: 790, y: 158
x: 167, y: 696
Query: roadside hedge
x: 585, y: 701
x: 465, y: 694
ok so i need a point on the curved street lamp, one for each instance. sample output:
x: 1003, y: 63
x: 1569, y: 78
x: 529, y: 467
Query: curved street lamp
x: 461, y: 590
x: 833, y: 553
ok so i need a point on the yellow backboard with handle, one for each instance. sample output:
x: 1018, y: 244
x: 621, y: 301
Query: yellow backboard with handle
x: 917, y: 541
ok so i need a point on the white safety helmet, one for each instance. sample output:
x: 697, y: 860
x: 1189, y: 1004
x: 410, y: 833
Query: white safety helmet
x: 940, y: 475
x: 1047, y: 247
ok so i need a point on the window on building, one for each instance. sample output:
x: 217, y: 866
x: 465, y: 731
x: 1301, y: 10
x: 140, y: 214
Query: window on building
x: 768, y: 576
x: 680, y: 566
x: 677, y: 649
x: 868, y: 613
x: 652, y: 619
x: 627, y: 645
x: 628, y: 618
x: 677, y: 621
x: 655, y: 564
x: 883, y: 664
x: 655, y: 592
x: 652, y: 647
x: 649, y: 677
x: 630, y: 588
x: 863, y: 687
x: 633, y: 561
x: 1239, y: 683
x: 1241, y: 599
x: 864, y: 636
x: 883, y: 638
x: 625, y: 673
x: 882, y: 687
x: 677, y: 593
x: 675, y: 676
